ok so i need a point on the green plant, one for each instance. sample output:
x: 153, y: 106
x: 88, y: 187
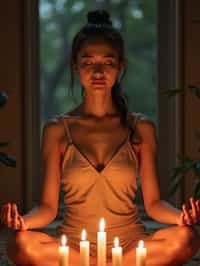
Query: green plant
x: 5, y: 158
x: 186, y: 164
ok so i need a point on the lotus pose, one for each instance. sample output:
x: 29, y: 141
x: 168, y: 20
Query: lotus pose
x: 96, y: 152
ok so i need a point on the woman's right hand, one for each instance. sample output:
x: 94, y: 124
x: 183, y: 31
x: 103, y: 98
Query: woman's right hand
x: 11, y: 218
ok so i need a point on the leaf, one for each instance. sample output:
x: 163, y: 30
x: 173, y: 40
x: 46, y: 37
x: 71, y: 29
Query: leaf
x: 7, y: 160
x: 197, y: 169
x: 195, y: 90
x: 197, y: 189
x: 187, y: 163
x: 3, y: 144
x: 3, y: 98
x: 173, y: 92
x: 175, y: 184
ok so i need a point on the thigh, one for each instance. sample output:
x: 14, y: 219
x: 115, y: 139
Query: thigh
x: 40, y: 248
x: 174, y: 233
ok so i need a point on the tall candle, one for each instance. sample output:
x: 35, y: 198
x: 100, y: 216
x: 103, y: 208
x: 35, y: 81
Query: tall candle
x: 116, y: 253
x: 101, y: 244
x: 84, y: 250
x: 141, y: 253
x: 63, y: 252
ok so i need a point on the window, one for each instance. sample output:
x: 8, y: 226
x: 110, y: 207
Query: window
x: 60, y: 20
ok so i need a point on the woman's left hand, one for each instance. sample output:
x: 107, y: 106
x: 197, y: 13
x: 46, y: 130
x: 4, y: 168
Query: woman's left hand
x: 190, y: 216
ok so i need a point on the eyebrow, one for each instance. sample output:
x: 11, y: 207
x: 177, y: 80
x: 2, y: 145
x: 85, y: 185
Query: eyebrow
x: 89, y: 56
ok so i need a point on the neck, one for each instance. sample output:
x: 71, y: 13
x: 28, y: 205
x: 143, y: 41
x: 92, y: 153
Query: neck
x: 99, y: 106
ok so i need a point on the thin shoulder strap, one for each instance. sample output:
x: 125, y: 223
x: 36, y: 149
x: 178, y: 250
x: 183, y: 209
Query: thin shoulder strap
x: 136, y: 119
x: 133, y: 122
x: 67, y: 130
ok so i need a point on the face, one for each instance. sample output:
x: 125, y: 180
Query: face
x: 98, y: 66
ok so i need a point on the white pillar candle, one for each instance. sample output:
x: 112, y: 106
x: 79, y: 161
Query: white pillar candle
x: 141, y: 253
x: 116, y: 253
x: 63, y: 252
x: 101, y: 244
x: 84, y: 250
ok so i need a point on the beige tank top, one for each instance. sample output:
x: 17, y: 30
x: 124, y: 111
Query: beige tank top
x: 90, y: 195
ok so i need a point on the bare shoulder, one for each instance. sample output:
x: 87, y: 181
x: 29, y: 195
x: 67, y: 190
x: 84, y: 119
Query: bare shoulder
x: 53, y: 127
x: 145, y: 127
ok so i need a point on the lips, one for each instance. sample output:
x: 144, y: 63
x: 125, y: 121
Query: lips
x: 98, y: 82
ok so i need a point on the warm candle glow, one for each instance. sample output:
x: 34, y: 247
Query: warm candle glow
x: 101, y: 244
x: 63, y: 250
x: 102, y: 225
x: 63, y: 240
x: 141, y: 244
x: 116, y: 242
x: 116, y: 253
x: 141, y: 254
x: 84, y: 250
x: 83, y: 235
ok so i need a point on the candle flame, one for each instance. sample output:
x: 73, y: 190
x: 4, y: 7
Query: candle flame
x: 141, y: 244
x: 63, y: 240
x: 83, y: 235
x: 116, y: 242
x: 102, y: 225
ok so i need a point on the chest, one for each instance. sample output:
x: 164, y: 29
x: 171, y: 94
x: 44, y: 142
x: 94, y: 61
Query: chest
x: 98, y: 142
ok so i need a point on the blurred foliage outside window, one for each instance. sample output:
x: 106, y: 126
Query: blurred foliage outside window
x: 61, y: 19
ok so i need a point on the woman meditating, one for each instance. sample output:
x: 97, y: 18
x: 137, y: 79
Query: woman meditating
x: 96, y: 152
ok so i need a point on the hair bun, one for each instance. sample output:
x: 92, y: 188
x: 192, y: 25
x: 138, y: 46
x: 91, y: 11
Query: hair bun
x: 99, y: 17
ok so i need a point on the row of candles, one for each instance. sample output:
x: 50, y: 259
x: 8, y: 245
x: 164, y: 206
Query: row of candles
x: 141, y: 251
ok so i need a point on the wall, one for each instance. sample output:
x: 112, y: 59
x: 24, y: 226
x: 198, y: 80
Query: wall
x: 20, y: 117
x: 12, y: 115
x: 191, y: 77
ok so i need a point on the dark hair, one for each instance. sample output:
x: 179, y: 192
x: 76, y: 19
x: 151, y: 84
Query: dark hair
x: 100, y: 25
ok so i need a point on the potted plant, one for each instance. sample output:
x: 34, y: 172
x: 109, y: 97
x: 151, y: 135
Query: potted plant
x: 5, y: 158
x: 186, y: 164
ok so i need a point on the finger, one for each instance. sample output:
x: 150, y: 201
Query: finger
x: 15, y: 217
x: 198, y: 206
x: 181, y: 219
x: 193, y: 213
x: 186, y: 215
x: 197, y: 203
x: 8, y: 216
x: 22, y: 223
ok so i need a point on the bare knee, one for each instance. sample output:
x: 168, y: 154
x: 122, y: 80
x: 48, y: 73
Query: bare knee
x: 19, y: 246
x: 184, y: 243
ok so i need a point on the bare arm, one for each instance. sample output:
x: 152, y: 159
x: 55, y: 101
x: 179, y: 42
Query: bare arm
x: 156, y: 208
x: 51, y: 154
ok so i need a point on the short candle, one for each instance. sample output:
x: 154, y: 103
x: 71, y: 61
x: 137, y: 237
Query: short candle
x: 116, y: 253
x: 84, y: 250
x: 101, y: 244
x: 141, y: 253
x: 63, y: 252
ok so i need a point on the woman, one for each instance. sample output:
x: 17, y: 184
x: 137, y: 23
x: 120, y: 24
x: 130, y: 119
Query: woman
x: 96, y: 151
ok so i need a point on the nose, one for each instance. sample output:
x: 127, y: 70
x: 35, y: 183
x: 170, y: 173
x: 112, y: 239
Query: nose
x: 98, y: 71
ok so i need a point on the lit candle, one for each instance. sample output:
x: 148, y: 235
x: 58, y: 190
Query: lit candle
x: 116, y: 253
x: 101, y: 244
x: 84, y: 250
x: 141, y: 253
x: 63, y: 252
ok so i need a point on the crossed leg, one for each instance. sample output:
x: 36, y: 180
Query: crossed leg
x: 167, y: 247
x: 31, y: 248
x: 171, y: 246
